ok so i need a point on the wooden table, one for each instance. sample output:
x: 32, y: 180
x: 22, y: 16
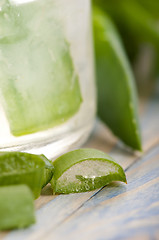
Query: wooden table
x: 117, y: 211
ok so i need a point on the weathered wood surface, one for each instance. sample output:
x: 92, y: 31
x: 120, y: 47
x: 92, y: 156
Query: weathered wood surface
x: 117, y: 211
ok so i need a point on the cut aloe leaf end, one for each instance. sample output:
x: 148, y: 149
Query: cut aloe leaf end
x: 22, y: 168
x: 85, y: 170
x: 16, y: 207
x: 48, y: 171
x: 117, y: 97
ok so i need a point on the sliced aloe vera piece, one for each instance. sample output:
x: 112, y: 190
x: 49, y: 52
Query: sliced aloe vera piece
x: 16, y: 207
x: 48, y: 171
x: 84, y: 170
x: 22, y: 168
x: 39, y: 84
x: 117, y: 98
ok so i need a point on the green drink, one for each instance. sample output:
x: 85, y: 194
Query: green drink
x: 46, y: 72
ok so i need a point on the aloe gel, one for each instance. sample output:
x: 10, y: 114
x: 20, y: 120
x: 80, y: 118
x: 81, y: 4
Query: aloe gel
x: 84, y: 170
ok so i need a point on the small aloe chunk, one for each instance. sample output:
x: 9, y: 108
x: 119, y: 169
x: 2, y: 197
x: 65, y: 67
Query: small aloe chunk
x: 84, y: 170
x: 16, y: 207
x: 22, y: 168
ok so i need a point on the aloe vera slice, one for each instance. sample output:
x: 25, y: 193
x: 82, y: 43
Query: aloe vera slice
x: 16, y: 207
x: 117, y: 98
x: 39, y: 85
x: 22, y: 168
x: 84, y: 170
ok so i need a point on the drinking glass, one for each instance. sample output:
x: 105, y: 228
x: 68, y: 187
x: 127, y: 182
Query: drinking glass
x: 47, y: 88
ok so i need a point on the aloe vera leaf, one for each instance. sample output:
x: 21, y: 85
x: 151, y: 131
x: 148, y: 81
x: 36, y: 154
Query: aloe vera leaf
x: 117, y: 98
x: 39, y: 85
x: 151, y: 6
x: 130, y: 17
x: 137, y: 18
x: 16, y: 207
x: 22, y: 168
x: 133, y: 16
x: 84, y: 170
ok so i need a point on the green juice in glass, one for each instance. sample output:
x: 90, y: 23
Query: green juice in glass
x: 46, y: 71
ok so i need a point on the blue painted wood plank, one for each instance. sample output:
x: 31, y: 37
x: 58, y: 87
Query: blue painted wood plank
x: 118, y: 206
x: 120, y: 211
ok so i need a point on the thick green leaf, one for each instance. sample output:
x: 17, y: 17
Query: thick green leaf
x: 117, y: 98
x: 137, y: 22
